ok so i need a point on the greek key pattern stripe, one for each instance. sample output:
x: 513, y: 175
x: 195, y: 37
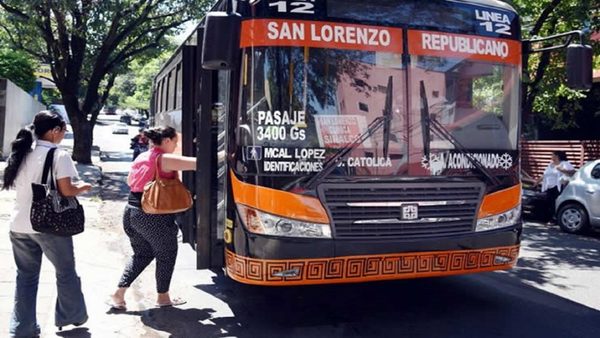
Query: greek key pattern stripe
x: 351, y: 269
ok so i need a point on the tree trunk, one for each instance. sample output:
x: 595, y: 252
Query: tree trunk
x: 83, y: 129
x: 83, y: 132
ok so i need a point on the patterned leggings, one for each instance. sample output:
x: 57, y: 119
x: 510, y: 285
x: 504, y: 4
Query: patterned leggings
x: 151, y: 236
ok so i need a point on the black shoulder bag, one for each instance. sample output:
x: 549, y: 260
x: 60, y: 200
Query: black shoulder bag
x: 52, y: 213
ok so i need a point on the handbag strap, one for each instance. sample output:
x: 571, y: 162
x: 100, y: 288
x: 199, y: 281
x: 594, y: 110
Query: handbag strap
x: 48, y: 168
x: 156, y: 169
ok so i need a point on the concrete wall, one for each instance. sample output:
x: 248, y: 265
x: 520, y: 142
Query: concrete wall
x: 17, y: 109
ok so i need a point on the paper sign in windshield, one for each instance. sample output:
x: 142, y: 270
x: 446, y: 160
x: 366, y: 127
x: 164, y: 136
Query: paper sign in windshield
x: 338, y: 131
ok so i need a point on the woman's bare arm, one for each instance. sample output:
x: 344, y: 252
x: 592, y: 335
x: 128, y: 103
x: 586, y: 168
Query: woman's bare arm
x: 568, y: 172
x: 68, y: 189
x: 170, y: 162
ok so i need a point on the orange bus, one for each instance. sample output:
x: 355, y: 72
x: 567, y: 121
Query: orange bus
x: 350, y: 141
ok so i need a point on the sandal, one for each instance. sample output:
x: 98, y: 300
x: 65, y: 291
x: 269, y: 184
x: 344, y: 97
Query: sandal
x: 121, y: 306
x: 174, y: 302
x: 74, y: 324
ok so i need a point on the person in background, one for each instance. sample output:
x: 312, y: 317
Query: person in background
x: 24, y: 167
x: 555, y: 176
x: 152, y: 236
x: 139, y: 143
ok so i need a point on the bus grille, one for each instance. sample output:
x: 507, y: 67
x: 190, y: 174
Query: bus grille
x: 401, y: 210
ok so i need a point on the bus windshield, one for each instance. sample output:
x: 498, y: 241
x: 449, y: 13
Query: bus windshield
x: 301, y: 105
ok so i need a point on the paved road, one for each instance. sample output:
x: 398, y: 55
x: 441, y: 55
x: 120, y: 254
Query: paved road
x: 540, y: 298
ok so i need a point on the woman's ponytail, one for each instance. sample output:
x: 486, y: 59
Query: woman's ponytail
x: 43, y: 122
x: 20, y: 147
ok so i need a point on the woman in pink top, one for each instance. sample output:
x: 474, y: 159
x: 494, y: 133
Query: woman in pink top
x: 152, y: 236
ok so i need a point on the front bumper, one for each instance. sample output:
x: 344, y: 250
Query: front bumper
x: 263, y: 260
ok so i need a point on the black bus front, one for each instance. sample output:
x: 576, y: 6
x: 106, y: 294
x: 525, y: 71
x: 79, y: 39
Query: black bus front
x: 373, y: 140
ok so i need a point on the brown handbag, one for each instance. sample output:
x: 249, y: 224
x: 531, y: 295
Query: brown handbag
x: 165, y: 195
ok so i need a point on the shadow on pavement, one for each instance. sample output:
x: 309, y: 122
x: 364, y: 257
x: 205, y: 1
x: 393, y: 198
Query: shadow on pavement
x: 114, y: 186
x: 87, y: 172
x: 79, y: 332
x: 556, y: 248
x: 188, y: 321
x: 177, y: 321
x: 485, y: 305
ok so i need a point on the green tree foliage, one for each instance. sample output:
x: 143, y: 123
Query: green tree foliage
x: 547, y: 101
x: 18, y: 68
x: 89, y: 43
x: 50, y: 96
x: 134, y: 88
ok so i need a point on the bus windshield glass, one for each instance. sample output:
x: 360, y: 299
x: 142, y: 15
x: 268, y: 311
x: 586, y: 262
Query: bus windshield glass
x: 475, y: 102
x: 302, y: 106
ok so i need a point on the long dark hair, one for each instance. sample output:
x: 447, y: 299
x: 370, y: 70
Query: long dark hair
x: 158, y: 134
x: 21, y: 146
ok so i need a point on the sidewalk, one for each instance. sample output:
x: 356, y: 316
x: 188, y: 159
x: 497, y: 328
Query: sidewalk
x: 100, y: 252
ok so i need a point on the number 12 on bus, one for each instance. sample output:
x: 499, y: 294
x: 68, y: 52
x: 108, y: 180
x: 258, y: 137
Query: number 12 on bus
x: 350, y: 141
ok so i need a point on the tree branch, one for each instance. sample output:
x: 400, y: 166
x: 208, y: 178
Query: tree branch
x: 534, y: 86
x: 63, y: 35
x: 167, y: 15
x: 19, y: 44
x: 127, y: 51
x: 544, y: 16
x: 14, y: 11
x: 111, y: 43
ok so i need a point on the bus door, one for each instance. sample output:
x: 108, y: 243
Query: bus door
x: 211, y: 173
x: 187, y: 221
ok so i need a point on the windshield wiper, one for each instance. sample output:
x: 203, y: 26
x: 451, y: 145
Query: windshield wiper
x: 340, y: 155
x: 430, y: 124
x: 387, y: 113
x: 425, y: 120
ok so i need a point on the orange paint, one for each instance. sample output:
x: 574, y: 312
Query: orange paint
x: 500, y: 201
x: 277, y: 202
x: 463, y: 46
x: 318, y: 34
x: 354, y: 269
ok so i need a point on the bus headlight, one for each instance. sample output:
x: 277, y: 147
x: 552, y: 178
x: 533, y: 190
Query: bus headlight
x: 259, y: 222
x: 503, y: 220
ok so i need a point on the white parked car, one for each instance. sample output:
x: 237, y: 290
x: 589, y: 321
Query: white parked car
x: 578, y: 206
x: 120, y: 128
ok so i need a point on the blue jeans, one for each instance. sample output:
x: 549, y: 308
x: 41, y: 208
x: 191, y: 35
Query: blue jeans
x: 70, y: 305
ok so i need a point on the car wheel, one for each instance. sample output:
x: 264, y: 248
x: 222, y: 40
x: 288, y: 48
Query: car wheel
x: 573, y: 218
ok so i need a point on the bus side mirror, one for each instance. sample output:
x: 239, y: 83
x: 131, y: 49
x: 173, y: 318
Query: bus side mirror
x: 579, y: 66
x: 221, y: 41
